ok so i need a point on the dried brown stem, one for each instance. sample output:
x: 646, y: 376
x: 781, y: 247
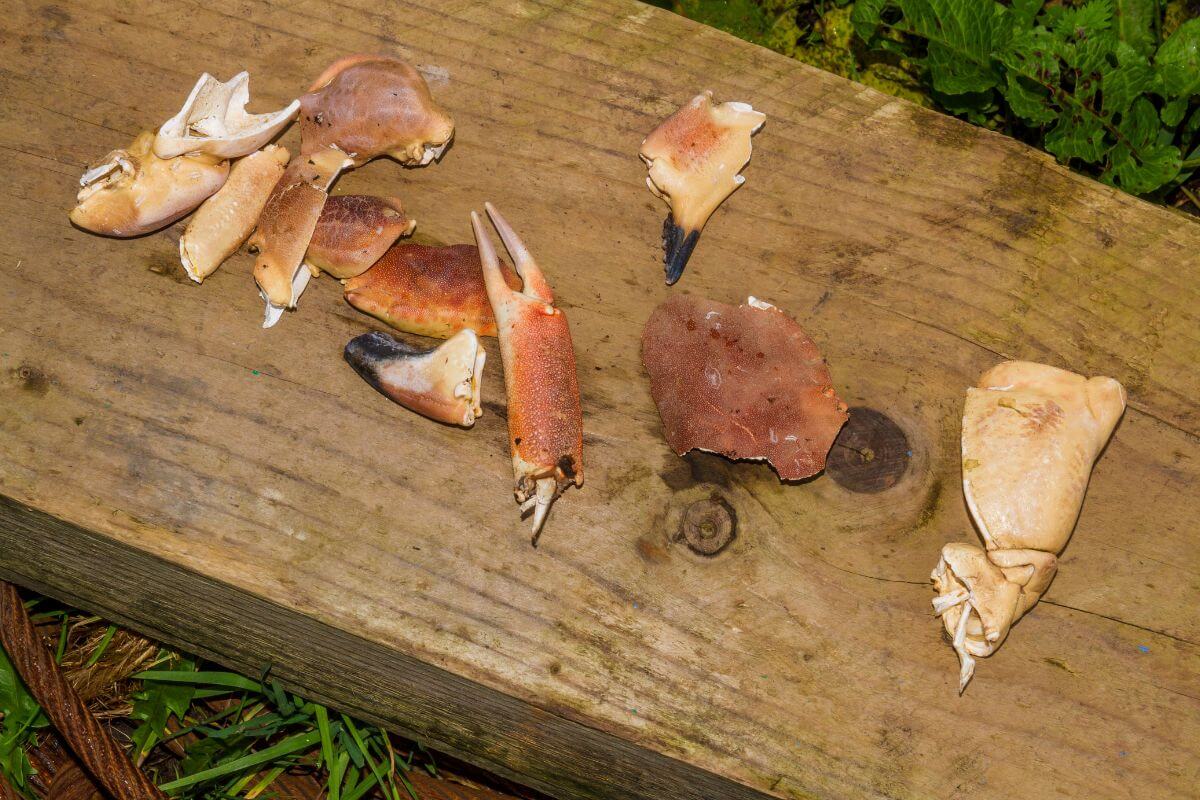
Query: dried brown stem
x: 92, y: 744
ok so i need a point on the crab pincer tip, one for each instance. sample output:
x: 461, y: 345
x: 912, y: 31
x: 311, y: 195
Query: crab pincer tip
x: 678, y: 245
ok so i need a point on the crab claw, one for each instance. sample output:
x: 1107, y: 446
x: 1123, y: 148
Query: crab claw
x: 286, y: 226
x: 694, y: 158
x: 371, y: 106
x: 214, y: 120
x: 133, y: 191
x: 353, y: 231
x: 441, y: 383
x: 545, y: 421
x: 220, y: 226
x: 431, y: 291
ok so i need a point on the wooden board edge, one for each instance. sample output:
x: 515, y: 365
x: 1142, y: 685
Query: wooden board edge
x: 460, y: 717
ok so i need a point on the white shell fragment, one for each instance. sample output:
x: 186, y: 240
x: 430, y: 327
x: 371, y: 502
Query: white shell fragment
x: 1030, y: 435
x: 214, y: 120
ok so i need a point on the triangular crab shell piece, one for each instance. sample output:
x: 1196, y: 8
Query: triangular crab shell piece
x: 694, y: 158
x: 1030, y: 435
x: 214, y: 120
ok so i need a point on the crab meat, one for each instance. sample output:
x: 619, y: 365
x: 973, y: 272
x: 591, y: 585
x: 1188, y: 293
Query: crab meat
x: 694, y: 158
x: 286, y: 226
x: 354, y: 231
x: 227, y: 218
x: 441, y: 383
x: 133, y: 191
x: 213, y: 120
x: 369, y: 106
x: 1030, y: 435
x: 743, y: 381
x: 431, y: 291
x: 545, y: 421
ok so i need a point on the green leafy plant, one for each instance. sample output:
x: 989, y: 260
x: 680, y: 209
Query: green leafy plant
x: 1092, y: 83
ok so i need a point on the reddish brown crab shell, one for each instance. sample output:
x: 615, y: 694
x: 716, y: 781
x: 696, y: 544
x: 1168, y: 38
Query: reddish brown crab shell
x: 368, y: 106
x: 742, y: 381
x: 354, y: 231
x: 431, y: 291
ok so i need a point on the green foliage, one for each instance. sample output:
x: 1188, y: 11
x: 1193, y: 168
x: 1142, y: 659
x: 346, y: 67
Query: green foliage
x: 1092, y: 81
x: 20, y: 719
x: 261, y: 731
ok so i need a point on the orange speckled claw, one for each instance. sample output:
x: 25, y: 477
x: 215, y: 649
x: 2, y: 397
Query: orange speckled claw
x: 545, y: 421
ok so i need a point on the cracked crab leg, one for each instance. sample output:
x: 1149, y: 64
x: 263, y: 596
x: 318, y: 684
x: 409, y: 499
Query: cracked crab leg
x: 545, y: 421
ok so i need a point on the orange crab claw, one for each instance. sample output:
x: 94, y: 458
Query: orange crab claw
x: 431, y: 291
x: 354, y: 231
x: 441, y: 383
x: 545, y: 421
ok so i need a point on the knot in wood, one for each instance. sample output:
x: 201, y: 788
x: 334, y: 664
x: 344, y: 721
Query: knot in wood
x: 708, y: 526
x: 871, y: 453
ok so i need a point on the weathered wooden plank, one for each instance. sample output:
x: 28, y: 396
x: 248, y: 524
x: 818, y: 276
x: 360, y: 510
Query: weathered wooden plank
x: 241, y: 492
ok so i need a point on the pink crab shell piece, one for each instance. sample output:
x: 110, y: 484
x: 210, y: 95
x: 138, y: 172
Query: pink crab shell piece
x: 742, y: 381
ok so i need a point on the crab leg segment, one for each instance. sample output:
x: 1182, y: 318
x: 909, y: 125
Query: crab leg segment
x: 545, y: 421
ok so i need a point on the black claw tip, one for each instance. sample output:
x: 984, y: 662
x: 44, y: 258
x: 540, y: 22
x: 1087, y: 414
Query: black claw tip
x: 678, y: 248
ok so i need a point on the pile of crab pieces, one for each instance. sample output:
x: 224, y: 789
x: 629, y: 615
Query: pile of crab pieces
x: 216, y: 159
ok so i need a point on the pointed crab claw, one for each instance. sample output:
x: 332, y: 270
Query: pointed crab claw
x: 694, y: 158
x: 354, y: 231
x: 133, y: 191
x: 545, y: 422
x: 431, y: 291
x: 213, y: 120
x: 286, y: 226
x: 227, y: 218
x: 1030, y: 435
x: 441, y: 383
x: 370, y: 106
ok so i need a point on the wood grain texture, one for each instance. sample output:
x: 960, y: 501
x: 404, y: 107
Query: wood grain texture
x: 242, y: 493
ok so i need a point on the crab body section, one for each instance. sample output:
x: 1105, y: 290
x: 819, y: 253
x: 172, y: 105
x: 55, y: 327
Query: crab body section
x: 1030, y: 436
x: 431, y: 291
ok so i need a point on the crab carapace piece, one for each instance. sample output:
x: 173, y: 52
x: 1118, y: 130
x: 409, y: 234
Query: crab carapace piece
x: 743, y: 381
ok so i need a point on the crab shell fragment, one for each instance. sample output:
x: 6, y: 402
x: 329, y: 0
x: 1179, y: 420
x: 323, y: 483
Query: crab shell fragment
x: 545, y: 420
x: 694, y: 158
x: 431, y: 291
x: 1030, y: 436
x: 354, y: 231
x: 286, y: 226
x: 441, y: 383
x: 227, y: 218
x: 369, y: 106
x: 213, y: 120
x: 133, y: 191
x: 742, y: 381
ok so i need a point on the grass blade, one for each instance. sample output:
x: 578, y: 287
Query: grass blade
x: 294, y: 744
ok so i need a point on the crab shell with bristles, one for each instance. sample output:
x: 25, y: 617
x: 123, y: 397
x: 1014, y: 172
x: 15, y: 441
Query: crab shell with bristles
x: 545, y: 419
